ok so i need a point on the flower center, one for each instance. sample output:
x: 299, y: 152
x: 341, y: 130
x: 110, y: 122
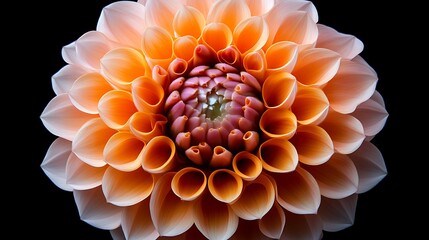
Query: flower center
x: 214, y: 113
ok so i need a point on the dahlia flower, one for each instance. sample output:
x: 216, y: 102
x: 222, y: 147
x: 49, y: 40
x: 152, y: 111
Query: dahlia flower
x: 228, y: 119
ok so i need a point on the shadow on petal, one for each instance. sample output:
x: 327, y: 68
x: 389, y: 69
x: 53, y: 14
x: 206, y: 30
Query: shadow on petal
x: 55, y: 162
x: 225, y: 185
x: 115, y: 108
x: 82, y: 176
x: 189, y: 183
x: 278, y: 155
x: 272, y: 224
x: 338, y: 214
x: 137, y: 223
x: 279, y: 90
x: 302, y: 227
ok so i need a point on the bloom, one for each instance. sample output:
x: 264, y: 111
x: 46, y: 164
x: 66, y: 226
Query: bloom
x: 221, y: 119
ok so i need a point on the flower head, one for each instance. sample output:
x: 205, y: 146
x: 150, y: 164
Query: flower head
x: 219, y: 119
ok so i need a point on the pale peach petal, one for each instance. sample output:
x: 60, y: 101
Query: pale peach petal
x: 81, y: 176
x: 95, y: 210
x: 91, y: 47
x: 146, y: 126
x: 161, y: 13
x: 157, y: 45
x: 313, y: 144
x: 213, y: 218
x: 370, y: 166
x: 148, y: 95
x: 87, y: 91
x: 55, y: 161
x: 255, y: 64
x: 250, y: 34
x: 68, y: 53
x: 89, y: 142
x: 123, y: 65
x: 184, y: 47
x: 338, y: 214
x: 278, y: 155
x: 159, y: 155
x: 117, y: 234
x: 170, y: 215
x: 281, y: 56
x: 127, y: 188
x: 63, y: 80
x: 346, y: 132
x: 225, y: 185
x: 256, y: 199
x: 316, y: 66
x: 260, y: 7
x: 122, y: 151
x: 229, y: 12
x: 300, y: 226
x: 62, y: 118
x: 297, y: 27
x: 273, y: 223
x: 189, y: 183
x: 372, y: 114
x: 298, y: 192
x: 337, y: 178
x: 202, y: 5
x: 247, y: 165
x: 354, y: 83
x: 377, y: 96
x: 217, y: 36
x: 116, y: 107
x: 137, y: 223
x: 346, y: 45
x: 310, y: 105
x: 248, y: 230
x: 190, y: 234
x: 188, y: 21
x: 278, y: 123
x: 123, y: 22
x: 279, y: 90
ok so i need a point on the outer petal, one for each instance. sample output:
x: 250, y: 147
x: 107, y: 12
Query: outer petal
x: 116, y: 107
x: 122, y: 151
x: 94, y: 210
x: 259, y: 7
x: 161, y: 13
x: 117, y: 233
x: 229, y: 12
x: 137, y: 223
x: 310, y: 105
x: 297, y: 27
x: 68, y: 53
x: 273, y: 223
x: 62, y: 118
x: 157, y: 46
x: 338, y: 214
x: 202, y: 5
x: 63, y: 80
x: 302, y: 227
x: 279, y: 90
x: 278, y: 155
x: 188, y: 21
x: 82, y: 176
x: 91, y: 47
x: 248, y: 230
x: 250, y: 34
x: 54, y: 163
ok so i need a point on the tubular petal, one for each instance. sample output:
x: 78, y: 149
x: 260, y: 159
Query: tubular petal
x: 95, y: 210
x: 55, y: 161
x: 116, y: 107
x: 251, y: 140
x: 177, y: 67
x: 297, y: 27
x: 247, y: 165
x: 278, y: 90
x: 298, y: 192
x: 188, y: 21
x: 91, y: 47
x: 157, y: 46
x: 127, y: 188
x: 302, y: 227
x: 225, y: 185
x: 313, y: 144
x: 281, y: 56
x: 122, y: 151
x: 81, y: 176
x: 123, y: 22
x: 346, y: 132
x: 255, y: 64
x: 161, y: 13
x: 217, y: 36
x: 213, y: 218
x: 259, y: 7
x: 229, y: 12
x: 278, y: 123
x: 194, y: 154
x: 189, y: 183
x: 63, y: 80
x: 221, y: 157
x: 89, y: 142
x: 160, y: 75
x: 148, y: 95
x: 159, y: 155
x: 230, y: 55
x: 316, y: 66
x: 62, y: 118
x: 354, y: 83
x: 256, y: 199
x: 123, y: 65
x: 373, y: 116
x: 87, y: 91
x: 310, y: 105
x: 370, y: 166
x: 337, y: 178
x: 273, y: 222
x: 338, y: 214
x: 146, y: 126
x: 170, y: 215
x: 137, y: 223
x: 184, y: 47
x: 278, y: 155
x: 250, y: 34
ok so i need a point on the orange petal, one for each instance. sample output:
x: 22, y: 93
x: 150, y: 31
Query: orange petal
x: 122, y: 151
x: 137, y: 223
x: 82, y: 176
x: 87, y: 91
x: 116, y: 107
x: 91, y: 47
x: 256, y: 199
x: 157, y: 45
x: 189, y: 183
x: 221, y: 157
x: 281, y: 57
x: 338, y: 214
x: 316, y: 66
x: 225, y: 185
x: 161, y: 13
x: 354, y: 83
x: 255, y: 64
x: 89, y: 142
x: 188, y: 21
x: 298, y: 192
x: 127, y: 188
x: 146, y: 126
x: 148, y: 95
x: 337, y: 178
x: 55, y: 161
x: 202, y: 5
x: 229, y: 12
x: 310, y: 105
x: 160, y: 75
x: 95, y: 210
x: 123, y: 65
x: 300, y: 226
x: 247, y: 165
x: 62, y: 118
x: 250, y: 34
x: 63, y: 80
x: 251, y: 140
x: 273, y: 223
x: 313, y: 144
x: 217, y: 36
x: 346, y: 132
x: 278, y: 155
x: 159, y: 155
x: 259, y: 7
x: 279, y: 90
x: 278, y: 123
x: 297, y: 27
x: 170, y: 215
x: 213, y: 218
x: 184, y: 47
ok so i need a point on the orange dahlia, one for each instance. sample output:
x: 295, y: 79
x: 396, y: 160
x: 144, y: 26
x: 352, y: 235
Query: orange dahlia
x: 228, y: 119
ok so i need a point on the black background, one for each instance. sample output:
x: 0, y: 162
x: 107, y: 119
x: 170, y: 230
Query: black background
x: 39, y: 209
